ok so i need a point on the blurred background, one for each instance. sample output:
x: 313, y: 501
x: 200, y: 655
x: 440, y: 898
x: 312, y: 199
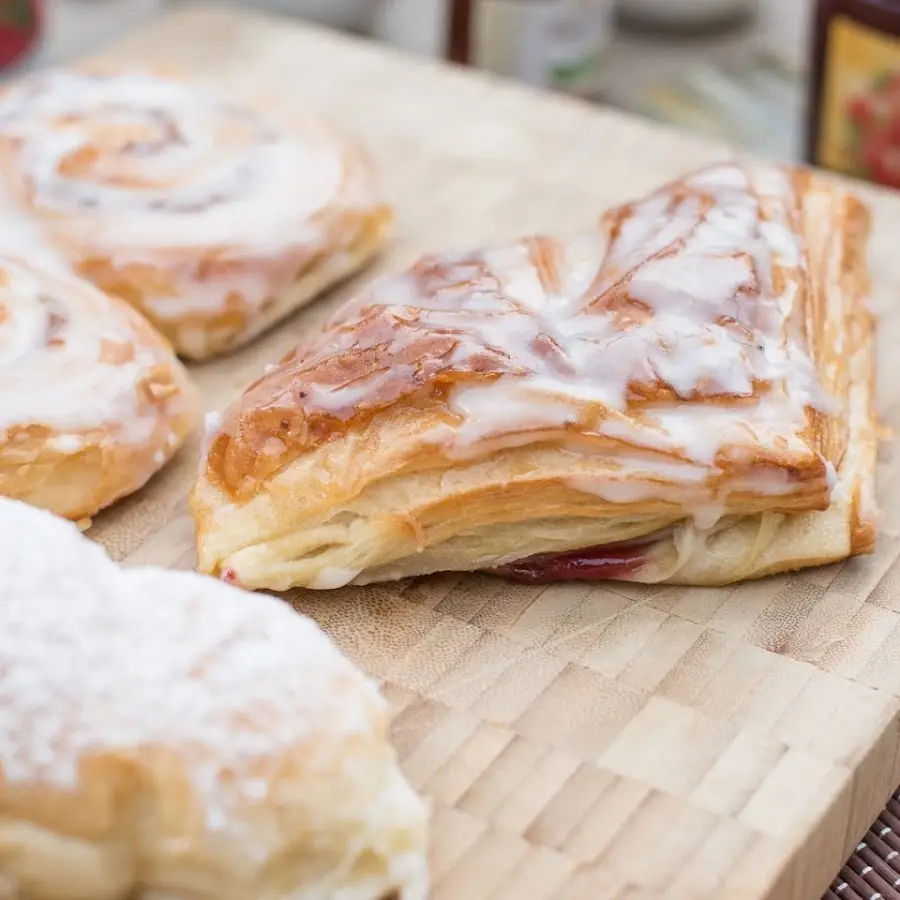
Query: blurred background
x: 796, y: 80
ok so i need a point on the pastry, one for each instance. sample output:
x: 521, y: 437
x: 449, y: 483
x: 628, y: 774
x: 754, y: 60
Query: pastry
x: 92, y: 400
x: 683, y: 394
x: 213, y: 219
x: 165, y: 735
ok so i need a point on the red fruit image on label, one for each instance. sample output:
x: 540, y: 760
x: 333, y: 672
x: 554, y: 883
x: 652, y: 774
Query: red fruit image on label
x: 858, y: 127
x: 881, y: 157
x: 875, y: 116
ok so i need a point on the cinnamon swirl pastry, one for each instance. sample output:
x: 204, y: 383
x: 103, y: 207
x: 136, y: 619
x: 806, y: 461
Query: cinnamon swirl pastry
x: 92, y: 400
x: 165, y: 735
x: 683, y: 394
x: 211, y: 218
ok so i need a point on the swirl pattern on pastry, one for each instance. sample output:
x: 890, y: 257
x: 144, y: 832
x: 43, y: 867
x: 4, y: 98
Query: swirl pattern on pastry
x: 92, y: 401
x: 201, y: 211
x: 165, y: 734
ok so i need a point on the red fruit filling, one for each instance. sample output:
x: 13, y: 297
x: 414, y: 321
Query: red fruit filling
x: 590, y: 564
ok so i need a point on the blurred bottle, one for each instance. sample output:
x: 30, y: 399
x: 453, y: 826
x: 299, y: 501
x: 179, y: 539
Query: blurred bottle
x: 555, y: 44
x: 784, y: 34
x: 20, y: 30
x: 346, y: 14
x: 419, y: 26
x: 854, y: 98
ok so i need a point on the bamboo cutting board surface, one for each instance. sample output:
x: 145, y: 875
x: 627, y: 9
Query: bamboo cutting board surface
x: 606, y: 742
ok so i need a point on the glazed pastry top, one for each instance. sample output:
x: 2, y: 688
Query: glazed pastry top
x: 684, y: 326
x: 177, y: 190
x: 75, y: 361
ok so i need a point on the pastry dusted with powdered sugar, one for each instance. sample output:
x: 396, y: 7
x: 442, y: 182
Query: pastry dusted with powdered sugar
x: 165, y: 735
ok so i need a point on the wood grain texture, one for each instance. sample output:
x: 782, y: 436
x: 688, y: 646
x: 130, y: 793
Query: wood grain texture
x: 609, y: 742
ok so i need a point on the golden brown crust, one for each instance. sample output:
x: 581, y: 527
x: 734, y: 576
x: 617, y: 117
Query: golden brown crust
x: 395, y: 336
x: 93, y: 402
x: 690, y: 359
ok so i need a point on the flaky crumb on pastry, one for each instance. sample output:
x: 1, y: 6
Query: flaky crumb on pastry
x: 683, y: 394
x: 165, y: 735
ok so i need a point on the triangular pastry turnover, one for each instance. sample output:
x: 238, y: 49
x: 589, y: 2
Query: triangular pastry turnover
x: 683, y: 394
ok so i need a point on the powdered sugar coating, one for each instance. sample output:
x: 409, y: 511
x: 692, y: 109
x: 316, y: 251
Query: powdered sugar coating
x: 94, y: 658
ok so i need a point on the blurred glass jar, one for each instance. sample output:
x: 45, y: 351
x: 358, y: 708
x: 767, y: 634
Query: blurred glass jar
x: 784, y: 32
x: 555, y: 44
x: 347, y: 14
x: 419, y: 26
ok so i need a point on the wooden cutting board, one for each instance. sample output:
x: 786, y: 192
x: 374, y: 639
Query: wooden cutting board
x: 584, y: 742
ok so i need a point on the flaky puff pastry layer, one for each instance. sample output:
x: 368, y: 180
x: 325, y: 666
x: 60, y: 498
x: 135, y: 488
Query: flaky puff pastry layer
x: 164, y: 735
x: 697, y: 371
x: 215, y: 217
x: 93, y: 401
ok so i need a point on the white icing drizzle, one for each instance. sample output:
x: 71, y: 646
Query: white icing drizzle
x: 520, y: 411
x: 332, y: 577
x: 71, y: 443
x: 212, y: 422
x: 73, y: 360
x: 146, y: 169
x: 689, y: 292
x: 838, y: 488
x: 98, y: 659
x: 618, y: 490
x: 641, y: 481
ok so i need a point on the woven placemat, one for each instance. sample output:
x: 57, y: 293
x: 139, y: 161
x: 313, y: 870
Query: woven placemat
x: 873, y: 872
